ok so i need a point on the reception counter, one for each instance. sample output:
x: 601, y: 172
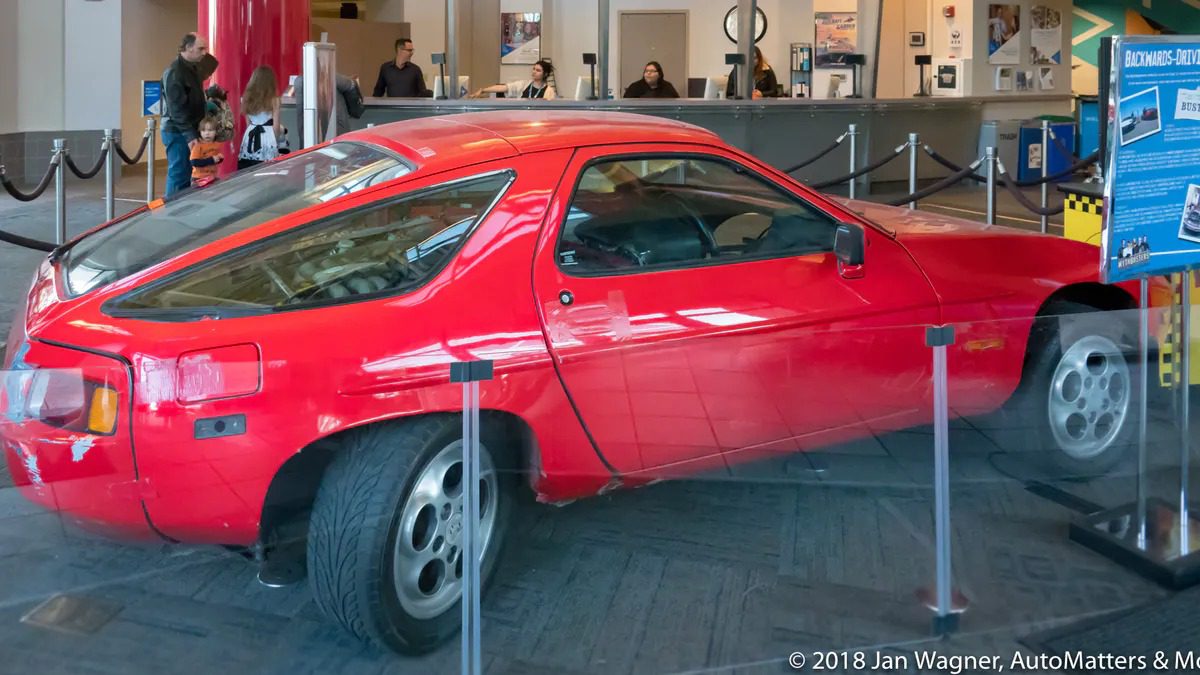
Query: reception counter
x: 783, y: 132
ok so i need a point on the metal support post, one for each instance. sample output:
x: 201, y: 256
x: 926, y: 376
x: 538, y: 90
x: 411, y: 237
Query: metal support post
x: 150, y: 160
x: 107, y: 149
x: 450, y: 89
x: 991, y: 185
x: 913, y: 142
x: 470, y: 374
x: 60, y: 191
x: 1045, y: 172
x: 605, y: 12
x: 1185, y: 451
x: 945, y: 620
x: 853, y: 156
x: 1144, y: 353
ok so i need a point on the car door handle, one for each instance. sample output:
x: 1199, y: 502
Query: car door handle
x: 566, y: 298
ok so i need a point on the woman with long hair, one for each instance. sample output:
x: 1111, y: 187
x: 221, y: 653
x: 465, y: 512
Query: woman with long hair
x: 765, y: 83
x: 265, y: 137
x: 540, y: 84
x: 652, y: 85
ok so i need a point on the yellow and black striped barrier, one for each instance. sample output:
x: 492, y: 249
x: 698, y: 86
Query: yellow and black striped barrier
x: 1170, y: 334
x: 1083, y: 212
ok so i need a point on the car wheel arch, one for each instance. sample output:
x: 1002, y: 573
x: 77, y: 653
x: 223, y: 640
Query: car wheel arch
x: 294, y: 485
x: 1090, y: 294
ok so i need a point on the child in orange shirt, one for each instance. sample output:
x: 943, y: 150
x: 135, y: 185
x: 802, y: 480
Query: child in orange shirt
x: 206, y: 153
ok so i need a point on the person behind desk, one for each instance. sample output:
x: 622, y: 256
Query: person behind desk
x: 652, y: 84
x: 765, y: 83
x: 539, y: 86
x: 401, y: 77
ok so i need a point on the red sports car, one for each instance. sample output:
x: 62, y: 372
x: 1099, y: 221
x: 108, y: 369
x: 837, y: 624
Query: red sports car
x: 269, y: 356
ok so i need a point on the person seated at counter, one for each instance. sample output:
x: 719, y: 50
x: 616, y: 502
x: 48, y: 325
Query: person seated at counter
x: 539, y: 86
x: 765, y: 83
x: 401, y: 77
x: 652, y: 84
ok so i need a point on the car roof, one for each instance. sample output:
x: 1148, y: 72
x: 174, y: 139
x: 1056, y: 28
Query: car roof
x: 457, y: 140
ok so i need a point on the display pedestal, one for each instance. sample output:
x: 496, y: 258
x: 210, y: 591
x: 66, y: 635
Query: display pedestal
x: 1169, y: 555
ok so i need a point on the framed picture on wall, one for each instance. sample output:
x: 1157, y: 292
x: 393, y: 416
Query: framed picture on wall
x: 916, y: 39
x: 520, y: 38
x: 837, y: 38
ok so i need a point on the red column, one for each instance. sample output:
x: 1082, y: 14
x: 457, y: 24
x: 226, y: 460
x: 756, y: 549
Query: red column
x: 246, y: 34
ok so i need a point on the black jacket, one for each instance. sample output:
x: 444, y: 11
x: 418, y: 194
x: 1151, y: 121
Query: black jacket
x: 766, y: 85
x: 640, y: 89
x: 183, y: 95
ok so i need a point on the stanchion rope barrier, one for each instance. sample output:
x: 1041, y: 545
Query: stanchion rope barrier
x: 1081, y: 164
x: 1062, y: 148
x: 863, y: 171
x: 833, y: 146
x: 141, y: 150
x: 37, y: 191
x: 938, y: 186
x: 1011, y: 186
x: 93, y: 171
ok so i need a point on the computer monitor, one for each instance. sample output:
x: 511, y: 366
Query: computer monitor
x: 715, y: 87
x: 439, y: 86
x: 696, y: 87
x: 583, y: 88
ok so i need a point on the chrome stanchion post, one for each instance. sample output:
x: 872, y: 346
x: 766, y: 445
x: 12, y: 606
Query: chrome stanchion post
x: 60, y: 191
x: 470, y: 374
x: 1045, y: 173
x: 913, y: 143
x: 853, y: 156
x: 150, y: 160
x: 107, y: 148
x: 946, y: 619
x: 1144, y: 353
x: 1185, y: 451
x: 991, y: 185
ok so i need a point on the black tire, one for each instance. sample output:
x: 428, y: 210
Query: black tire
x: 357, y: 518
x: 1087, y: 444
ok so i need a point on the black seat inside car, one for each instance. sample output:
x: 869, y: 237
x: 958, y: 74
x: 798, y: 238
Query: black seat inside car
x: 652, y: 241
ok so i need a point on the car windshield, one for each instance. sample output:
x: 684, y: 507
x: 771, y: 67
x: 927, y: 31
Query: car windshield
x: 227, y: 207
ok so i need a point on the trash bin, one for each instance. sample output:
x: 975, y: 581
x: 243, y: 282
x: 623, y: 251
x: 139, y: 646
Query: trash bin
x: 1088, y: 110
x: 1004, y: 135
x: 1030, y: 159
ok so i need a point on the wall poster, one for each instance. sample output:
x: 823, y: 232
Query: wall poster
x: 520, y: 38
x: 1152, y: 224
x: 1045, y: 37
x: 837, y: 36
x: 1004, y: 34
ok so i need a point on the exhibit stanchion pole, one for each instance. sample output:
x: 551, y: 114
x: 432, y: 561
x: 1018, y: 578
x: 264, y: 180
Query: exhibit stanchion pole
x: 938, y: 338
x: 107, y: 148
x: 1045, y: 173
x: 60, y: 192
x: 470, y: 374
x: 1185, y: 451
x: 853, y: 156
x: 913, y: 142
x: 1144, y: 384
x: 991, y: 185
x: 150, y: 160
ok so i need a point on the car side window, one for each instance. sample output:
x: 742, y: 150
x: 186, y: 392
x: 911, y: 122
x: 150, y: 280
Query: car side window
x: 654, y: 213
x: 384, y: 248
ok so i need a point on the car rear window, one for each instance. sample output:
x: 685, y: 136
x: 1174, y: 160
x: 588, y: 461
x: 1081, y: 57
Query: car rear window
x: 378, y: 250
x: 200, y: 217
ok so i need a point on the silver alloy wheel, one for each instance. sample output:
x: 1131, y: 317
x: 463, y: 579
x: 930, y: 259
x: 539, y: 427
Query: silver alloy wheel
x: 1090, y: 393
x: 427, y: 565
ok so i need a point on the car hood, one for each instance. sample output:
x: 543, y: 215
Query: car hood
x: 907, y: 224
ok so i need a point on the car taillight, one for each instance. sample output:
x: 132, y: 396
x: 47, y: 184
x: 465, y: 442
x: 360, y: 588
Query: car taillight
x: 63, y: 399
x: 221, y: 372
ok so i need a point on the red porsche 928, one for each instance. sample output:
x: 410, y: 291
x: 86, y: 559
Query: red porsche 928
x: 271, y: 354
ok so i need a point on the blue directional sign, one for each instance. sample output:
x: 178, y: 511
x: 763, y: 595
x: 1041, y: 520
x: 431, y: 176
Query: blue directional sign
x: 151, y: 97
x: 1152, y: 181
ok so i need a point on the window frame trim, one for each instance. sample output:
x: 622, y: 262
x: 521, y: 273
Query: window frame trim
x: 187, y: 314
x: 671, y: 154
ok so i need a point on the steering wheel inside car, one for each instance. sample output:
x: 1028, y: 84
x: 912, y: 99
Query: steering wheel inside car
x: 707, y: 239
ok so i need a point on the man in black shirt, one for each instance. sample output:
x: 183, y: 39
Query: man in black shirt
x: 401, y: 77
x: 183, y: 107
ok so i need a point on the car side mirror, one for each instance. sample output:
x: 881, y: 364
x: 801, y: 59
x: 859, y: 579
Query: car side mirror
x: 849, y: 244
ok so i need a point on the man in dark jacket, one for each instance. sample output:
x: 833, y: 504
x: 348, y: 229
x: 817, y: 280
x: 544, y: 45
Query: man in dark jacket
x: 184, y: 107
